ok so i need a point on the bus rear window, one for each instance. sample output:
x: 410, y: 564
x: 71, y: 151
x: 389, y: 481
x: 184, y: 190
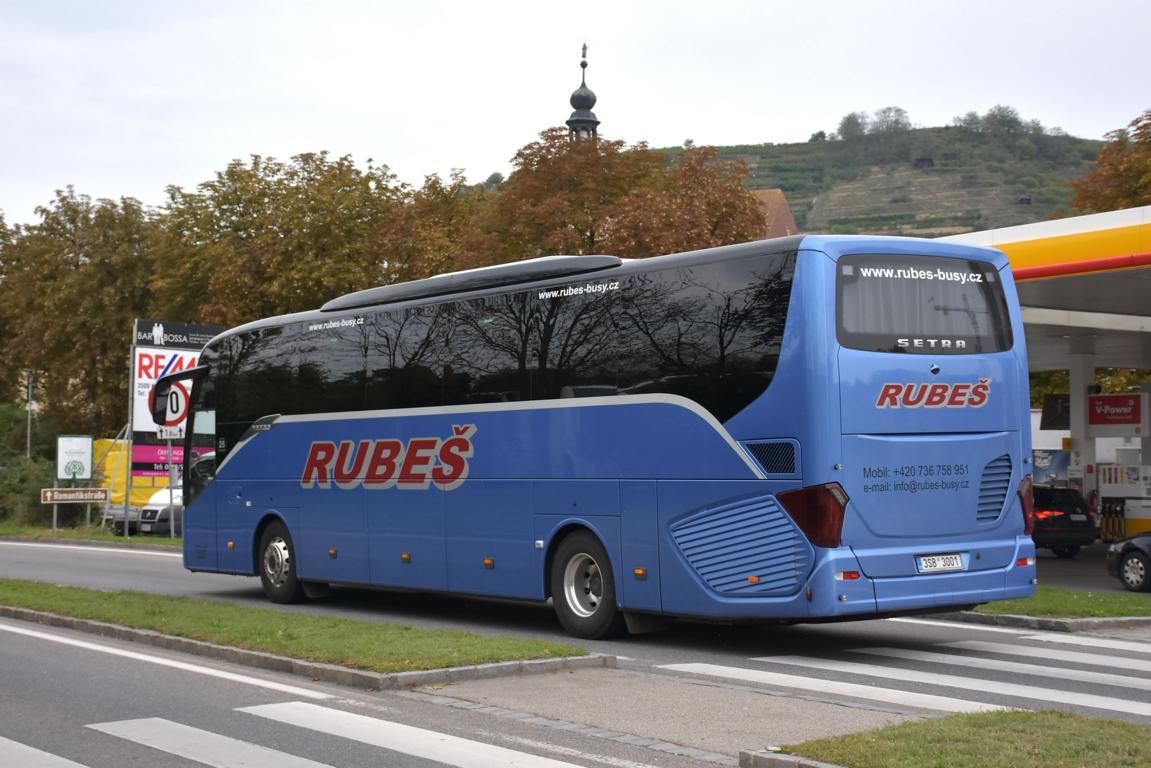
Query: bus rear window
x: 920, y: 305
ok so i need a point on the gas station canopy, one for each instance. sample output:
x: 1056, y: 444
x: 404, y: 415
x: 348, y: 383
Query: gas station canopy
x: 1085, y: 286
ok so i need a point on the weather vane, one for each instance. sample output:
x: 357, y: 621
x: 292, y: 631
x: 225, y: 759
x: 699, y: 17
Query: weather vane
x: 585, y: 50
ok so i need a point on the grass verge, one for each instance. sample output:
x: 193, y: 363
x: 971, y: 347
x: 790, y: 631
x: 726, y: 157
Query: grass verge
x: 84, y: 534
x: 990, y: 740
x: 1053, y: 602
x: 360, y: 644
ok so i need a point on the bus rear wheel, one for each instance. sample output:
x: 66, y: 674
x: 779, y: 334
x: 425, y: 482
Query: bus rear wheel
x: 583, y: 589
x: 278, y: 565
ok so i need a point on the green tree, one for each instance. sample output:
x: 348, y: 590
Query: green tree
x: 266, y: 238
x: 853, y: 126
x: 425, y: 237
x: 1121, y: 176
x: 72, y: 285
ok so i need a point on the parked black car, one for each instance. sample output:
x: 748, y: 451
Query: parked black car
x: 1063, y: 521
x: 1129, y: 560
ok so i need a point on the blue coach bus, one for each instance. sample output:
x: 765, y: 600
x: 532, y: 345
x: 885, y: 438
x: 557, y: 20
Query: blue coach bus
x: 808, y: 428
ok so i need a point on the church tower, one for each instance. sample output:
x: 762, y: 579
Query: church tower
x: 583, y: 122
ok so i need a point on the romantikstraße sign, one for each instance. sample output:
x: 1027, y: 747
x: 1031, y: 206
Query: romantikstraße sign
x: 73, y: 495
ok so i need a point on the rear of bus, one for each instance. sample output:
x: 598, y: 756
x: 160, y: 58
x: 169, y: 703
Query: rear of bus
x: 932, y: 450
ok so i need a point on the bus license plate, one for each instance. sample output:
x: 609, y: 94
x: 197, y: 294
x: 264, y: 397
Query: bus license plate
x: 145, y: 527
x: 938, y: 563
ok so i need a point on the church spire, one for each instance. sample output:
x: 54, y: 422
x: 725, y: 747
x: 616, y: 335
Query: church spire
x: 583, y: 122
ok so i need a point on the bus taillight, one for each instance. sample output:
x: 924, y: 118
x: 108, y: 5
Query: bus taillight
x: 1027, y: 501
x: 818, y: 511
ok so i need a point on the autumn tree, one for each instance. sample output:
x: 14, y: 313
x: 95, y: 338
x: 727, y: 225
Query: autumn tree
x: 698, y: 201
x: 72, y: 285
x: 1121, y: 175
x: 559, y: 199
x: 580, y: 197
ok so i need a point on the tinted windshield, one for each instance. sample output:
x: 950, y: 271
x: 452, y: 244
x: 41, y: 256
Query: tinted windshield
x: 920, y: 305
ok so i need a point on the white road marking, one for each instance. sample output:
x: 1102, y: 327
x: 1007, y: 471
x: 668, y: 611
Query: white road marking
x: 854, y: 690
x: 1093, y: 641
x: 979, y: 662
x: 1075, y: 657
x: 201, y: 746
x: 290, y: 690
x: 16, y: 754
x: 617, y: 762
x: 968, y: 683
x: 963, y: 625
x: 429, y: 745
x: 91, y: 550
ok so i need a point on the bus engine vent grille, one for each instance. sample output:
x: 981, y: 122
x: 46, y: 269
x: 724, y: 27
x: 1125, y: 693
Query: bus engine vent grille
x: 775, y: 458
x: 748, y: 548
x: 993, y: 489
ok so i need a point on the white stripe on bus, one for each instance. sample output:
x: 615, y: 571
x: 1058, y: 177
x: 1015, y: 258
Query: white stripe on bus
x: 525, y: 405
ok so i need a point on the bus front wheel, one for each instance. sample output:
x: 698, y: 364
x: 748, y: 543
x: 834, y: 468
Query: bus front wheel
x: 583, y: 588
x: 278, y: 565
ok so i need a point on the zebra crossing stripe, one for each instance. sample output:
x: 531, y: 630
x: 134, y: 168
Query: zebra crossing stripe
x: 1066, y: 638
x: 835, y: 687
x: 397, y: 737
x: 1013, y: 690
x: 16, y: 754
x: 1055, y: 654
x: 1060, y: 673
x: 200, y: 746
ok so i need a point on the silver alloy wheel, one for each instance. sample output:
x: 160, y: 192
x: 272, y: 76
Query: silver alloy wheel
x: 583, y: 585
x: 277, y: 561
x: 1134, y: 571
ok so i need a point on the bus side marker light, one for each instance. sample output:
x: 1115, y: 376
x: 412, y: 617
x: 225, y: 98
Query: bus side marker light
x: 406, y: 558
x: 332, y: 552
x: 808, y: 593
x: 1023, y: 562
x: 231, y: 545
x: 640, y: 574
x: 489, y: 563
x: 847, y: 576
x: 753, y: 579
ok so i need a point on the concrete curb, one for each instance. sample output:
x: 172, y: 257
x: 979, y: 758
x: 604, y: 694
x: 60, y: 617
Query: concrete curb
x: 318, y: 671
x: 763, y: 758
x: 1045, y: 623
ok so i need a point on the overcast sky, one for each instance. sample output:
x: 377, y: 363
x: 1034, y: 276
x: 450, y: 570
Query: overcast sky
x: 125, y: 98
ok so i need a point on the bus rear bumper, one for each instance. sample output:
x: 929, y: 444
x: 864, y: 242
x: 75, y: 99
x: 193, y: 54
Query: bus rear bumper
x: 950, y: 590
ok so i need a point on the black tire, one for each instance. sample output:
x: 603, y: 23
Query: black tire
x: 1135, y: 571
x: 1067, y: 551
x: 583, y: 589
x: 277, y: 565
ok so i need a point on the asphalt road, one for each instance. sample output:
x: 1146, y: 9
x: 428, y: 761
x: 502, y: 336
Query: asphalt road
x: 715, y: 688
x: 70, y: 700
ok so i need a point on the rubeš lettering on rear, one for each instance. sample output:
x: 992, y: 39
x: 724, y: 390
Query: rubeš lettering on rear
x: 959, y: 395
x: 378, y: 465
